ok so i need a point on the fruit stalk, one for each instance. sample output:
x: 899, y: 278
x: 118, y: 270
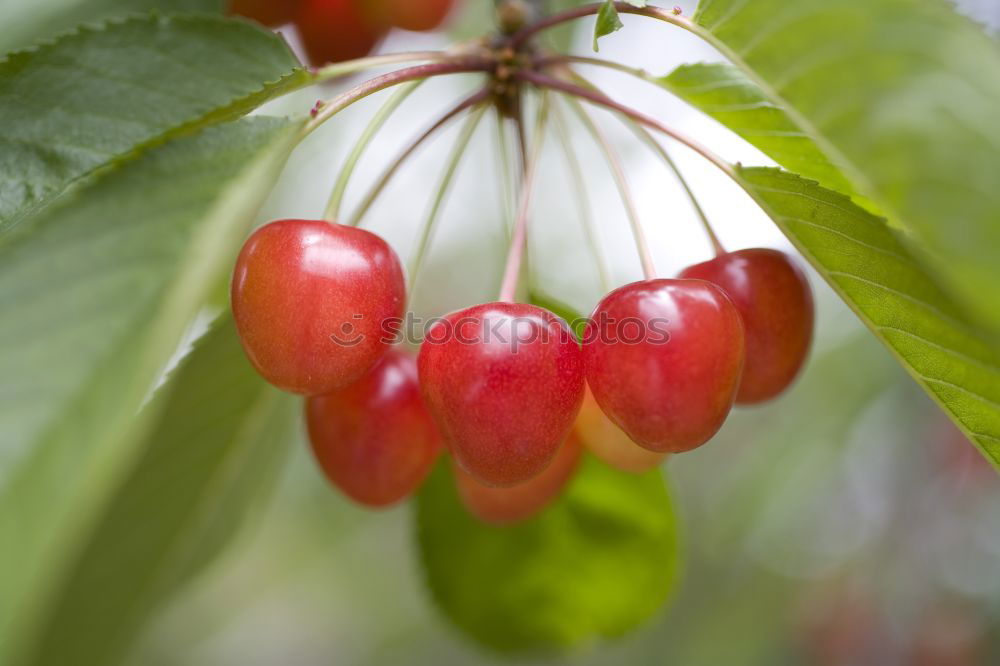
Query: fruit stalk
x: 552, y: 60
x: 647, y: 138
x: 641, y: 132
x: 579, y: 183
x: 600, y: 99
x: 508, y: 193
x: 621, y: 180
x: 391, y: 170
x: 519, y: 238
x: 427, y: 232
x: 332, y: 211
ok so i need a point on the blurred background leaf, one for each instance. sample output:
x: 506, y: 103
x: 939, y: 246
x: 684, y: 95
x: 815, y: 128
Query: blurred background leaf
x: 598, y: 562
x: 903, y: 96
x: 95, y: 301
x: 105, y: 93
x: 219, y: 435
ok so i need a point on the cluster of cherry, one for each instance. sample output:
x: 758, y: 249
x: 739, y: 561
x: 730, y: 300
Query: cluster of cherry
x: 507, y: 387
x: 336, y: 30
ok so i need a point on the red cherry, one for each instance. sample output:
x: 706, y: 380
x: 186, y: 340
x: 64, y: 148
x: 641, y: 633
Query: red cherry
x: 503, y: 506
x: 374, y: 439
x: 266, y: 12
x: 774, y: 298
x: 314, y: 303
x: 664, y: 359
x: 609, y: 443
x: 336, y: 30
x: 416, y: 15
x: 503, y: 381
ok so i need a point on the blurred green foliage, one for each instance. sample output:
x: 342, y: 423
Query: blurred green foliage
x: 596, y: 563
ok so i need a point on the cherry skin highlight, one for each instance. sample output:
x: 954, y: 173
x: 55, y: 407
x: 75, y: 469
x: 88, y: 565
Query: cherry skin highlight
x: 504, y: 506
x: 375, y: 439
x: 337, y: 30
x: 504, y: 382
x: 773, y: 296
x: 266, y: 12
x: 664, y: 359
x: 416, y: 15
x: 609, y: 442
x: 315, y: 303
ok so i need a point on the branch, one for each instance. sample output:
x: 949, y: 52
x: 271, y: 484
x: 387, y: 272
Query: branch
x: 326, y: 110
x: 523, y: 35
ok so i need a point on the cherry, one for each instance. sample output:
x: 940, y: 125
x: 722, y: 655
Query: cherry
x: 337, y: 30
x: 266, y: 12
x: 503, y: 381
x: 374, y: 439
x: 609, y: 443
x: 774, y: 298
x: 416, y: 15
x: 314, y: 301
x: 663, y: 359
x: 503, y: 506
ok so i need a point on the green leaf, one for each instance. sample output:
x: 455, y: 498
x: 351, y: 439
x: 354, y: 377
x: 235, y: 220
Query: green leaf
x: 877, y: 277
x: 904, y: 96
x: 24, y: 21
x: 102, y: 93
x: 218, y: 441
x: 575, y: 320
x: 607, y: 22
x: 95, y: 302
x: 727, y: 95
x: 599, y: 561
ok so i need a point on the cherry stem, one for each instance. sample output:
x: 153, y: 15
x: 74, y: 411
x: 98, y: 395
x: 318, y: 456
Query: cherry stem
x: 526, y: 33
x: 621, y: 180
x: 643, y: 134
x: 579, y: 183
x: 326, y: 110
x: 519, y: 238
x: 658, y: 148
x: 521, y: 136
x: 391, y: 170
x: 340, y: 69
x: 378, y: 120
x: 427, y: 231
x: 600, y: 99
x: 566, y: 59
x: 522, y: 139
x: 506, y: 178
